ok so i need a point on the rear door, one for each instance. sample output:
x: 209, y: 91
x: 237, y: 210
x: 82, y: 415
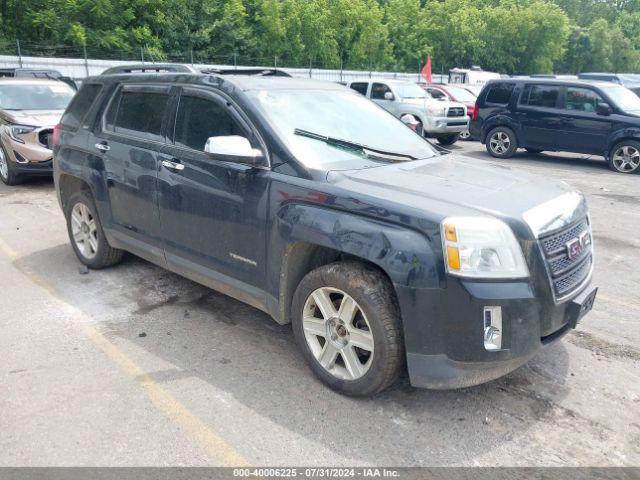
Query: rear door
x: 539, y: 116
x: 129, y: 141
x: 212, y: 211
x: 583, y: 130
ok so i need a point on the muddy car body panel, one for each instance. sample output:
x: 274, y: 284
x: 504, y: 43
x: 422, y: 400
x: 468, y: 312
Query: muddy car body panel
x: 253, y: 231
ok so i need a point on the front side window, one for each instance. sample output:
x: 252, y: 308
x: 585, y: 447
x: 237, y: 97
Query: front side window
x: 35, y: 96
x: 582, y: 99
x: 545, y: 96
x: 378, y: 90
x: 360, y: 87
x: 140, y: 114
x: 198, y: 119
x: 500, y: 93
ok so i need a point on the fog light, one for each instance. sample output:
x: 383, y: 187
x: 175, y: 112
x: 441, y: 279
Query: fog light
x: 493, y: 328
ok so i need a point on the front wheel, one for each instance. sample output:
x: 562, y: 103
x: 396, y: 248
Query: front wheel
x: 501, y: 142
x: 347, y: 324
x: 466, y: 135
x: 7, y: 173
x: 86, y: 234
x: 625, y: 157
x: 448, y: 139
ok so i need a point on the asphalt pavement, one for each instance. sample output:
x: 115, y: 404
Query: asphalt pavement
x: 136, y: 366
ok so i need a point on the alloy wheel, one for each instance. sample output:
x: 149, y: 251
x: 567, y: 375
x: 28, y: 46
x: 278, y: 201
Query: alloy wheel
x: 85, y: 231
x: 465, y: 135
x: 626, y: 159
x: 500, y: 142
x: 338, y: 333
x: 4, y: 168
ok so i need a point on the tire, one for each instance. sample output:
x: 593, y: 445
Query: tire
x: 7, y: 172
x: 625, y: 157
x: 533, y: 151
x: 448, y: 139
x: 86, y: 235
x: 501, y: 142
x: 376, y: 361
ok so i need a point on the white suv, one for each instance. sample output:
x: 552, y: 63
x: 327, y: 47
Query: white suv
x: 441, y: 119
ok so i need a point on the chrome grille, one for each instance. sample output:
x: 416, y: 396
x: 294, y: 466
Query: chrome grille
x: 456, y: 112
x: 45, y: 136
x: 567, y: 273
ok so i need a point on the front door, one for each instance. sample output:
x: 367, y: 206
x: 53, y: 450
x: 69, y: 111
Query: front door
x: 129, y: 142
x: 584, y: 131
x: 212, y: 212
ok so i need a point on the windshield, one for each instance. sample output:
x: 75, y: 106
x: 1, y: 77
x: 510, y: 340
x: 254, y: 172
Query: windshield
x: 35, y: 96
x: 462, y: 95
x: 340, y: 114
x: 625, y: 99
x: 409, y: 90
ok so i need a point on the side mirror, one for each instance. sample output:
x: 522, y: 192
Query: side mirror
x: 604, y: 109
x: 388, y: 96
x: 235, y: 148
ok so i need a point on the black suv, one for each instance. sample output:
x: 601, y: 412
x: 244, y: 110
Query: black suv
x: 597, y: 118
x: 313, y: 204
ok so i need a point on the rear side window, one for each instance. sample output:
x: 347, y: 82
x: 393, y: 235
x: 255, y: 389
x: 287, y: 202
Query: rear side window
x: 80, y: 105
x: 500, y: 93
x: 139, y: 114
x: 198, y: 119
x: 540, y: 96
x: 360, y: 87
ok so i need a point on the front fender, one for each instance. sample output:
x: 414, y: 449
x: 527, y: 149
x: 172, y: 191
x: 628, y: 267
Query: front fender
x: 405, y: 255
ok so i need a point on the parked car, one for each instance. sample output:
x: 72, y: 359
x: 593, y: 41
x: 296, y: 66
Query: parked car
x: 474, y: 76
x: 29, y: 109
x: 598, y: 118
x: 442, y: 120
x: 309, y: 202
x: 629, y: 80
x: 453, y: 93
x: 38, y: 73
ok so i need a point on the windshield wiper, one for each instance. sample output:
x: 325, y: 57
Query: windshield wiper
x: 367, y: 151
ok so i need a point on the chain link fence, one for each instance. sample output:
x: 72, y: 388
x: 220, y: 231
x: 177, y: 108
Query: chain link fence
x: 82, y: 61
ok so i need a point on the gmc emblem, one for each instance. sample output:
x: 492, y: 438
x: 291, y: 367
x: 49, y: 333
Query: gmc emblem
x: 576, y: 246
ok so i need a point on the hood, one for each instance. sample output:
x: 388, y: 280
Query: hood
x: 453, y: 185
x: 36, y: 118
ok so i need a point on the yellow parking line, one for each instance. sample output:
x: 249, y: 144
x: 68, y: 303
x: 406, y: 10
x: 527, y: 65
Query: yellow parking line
x: 215, y: 445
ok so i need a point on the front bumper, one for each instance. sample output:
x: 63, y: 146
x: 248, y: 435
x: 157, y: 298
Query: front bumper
x: 446, y: 125
x: 30, y: 157
x: 444, y: 330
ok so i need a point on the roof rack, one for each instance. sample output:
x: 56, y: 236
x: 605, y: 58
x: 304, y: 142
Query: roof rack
x: 263, y: 72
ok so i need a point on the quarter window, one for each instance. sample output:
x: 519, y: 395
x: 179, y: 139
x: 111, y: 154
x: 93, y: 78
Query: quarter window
x: 199, y: 118
x: 378, y: 90
x: 540, y: 96
x: 582, y: 99
x: 500, y: 93
x: 80, y: 105
x: 139, y: 114
x: 360, y: 87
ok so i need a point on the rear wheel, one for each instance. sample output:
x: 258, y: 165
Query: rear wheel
x: 347, y: 324
x: 86, y: 234
x: 7, y: 173
x: 501, y: 142
x: 448, y: 139
x: 466, y: 135
x: 625, y: 157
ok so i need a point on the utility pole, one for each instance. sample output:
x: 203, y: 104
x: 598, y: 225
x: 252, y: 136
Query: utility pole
x: 19, y: 53
x: 192, y: 57
x: 310, y: 67
x: 86, y: 60
x: 275, y: 61
x: 142, y: 54
x: 235, y: 60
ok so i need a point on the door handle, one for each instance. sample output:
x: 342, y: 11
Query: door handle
x: 172, y: 165
x: 103, y: 147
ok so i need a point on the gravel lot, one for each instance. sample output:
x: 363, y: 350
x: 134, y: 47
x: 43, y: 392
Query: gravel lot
x: 137, y: 366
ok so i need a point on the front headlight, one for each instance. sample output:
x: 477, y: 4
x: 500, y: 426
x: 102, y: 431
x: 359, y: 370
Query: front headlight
x: 481, y: 247
x: 436, y: 111
x: 15, y: 130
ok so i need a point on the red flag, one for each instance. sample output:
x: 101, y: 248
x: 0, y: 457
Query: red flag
x: 426, y: 71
